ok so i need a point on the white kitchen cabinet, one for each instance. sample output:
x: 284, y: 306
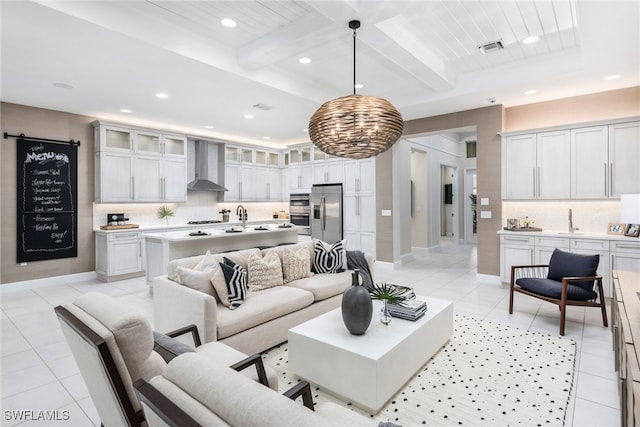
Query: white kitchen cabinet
x: 553, y: 160
x: 625, y: 255
x: 624, y: 152
x: 119, y: 255
x: 268, y: 184
x: 596, y: 247
x: 519, y: 166
x: 114, y: 178
x: 328, y: 173
x: 545, y: 245
x: 239, y: 180
x: 300, y: 177
x: 537, y: 166
x: 589, y: 162
x: 359, y: 176
x: 139, y: 165
x: 365, y: 242
x: 515, y: 250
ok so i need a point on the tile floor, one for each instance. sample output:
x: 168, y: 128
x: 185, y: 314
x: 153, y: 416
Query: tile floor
x: 39, y: 373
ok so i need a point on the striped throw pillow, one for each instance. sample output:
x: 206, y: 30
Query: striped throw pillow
x: 329, y: 259
x: 236, y: 277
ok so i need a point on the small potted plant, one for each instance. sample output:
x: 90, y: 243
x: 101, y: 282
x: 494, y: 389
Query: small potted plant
x: 164, y: 212
x: 388, y: 294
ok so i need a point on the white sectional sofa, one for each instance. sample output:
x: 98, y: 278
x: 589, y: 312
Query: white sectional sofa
x: 265, y: 316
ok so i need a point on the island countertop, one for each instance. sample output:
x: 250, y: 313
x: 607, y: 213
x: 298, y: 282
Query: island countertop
x: 165, y: 246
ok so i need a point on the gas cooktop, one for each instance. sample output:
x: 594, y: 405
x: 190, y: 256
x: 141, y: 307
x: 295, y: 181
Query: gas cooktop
x: 205, y: 221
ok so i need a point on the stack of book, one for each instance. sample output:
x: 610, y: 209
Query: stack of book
x: 411, y: 310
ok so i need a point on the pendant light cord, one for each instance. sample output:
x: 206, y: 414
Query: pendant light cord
x: 354, y: 61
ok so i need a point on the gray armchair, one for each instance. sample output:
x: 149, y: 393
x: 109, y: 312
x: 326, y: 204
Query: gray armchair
x: 568, y: 279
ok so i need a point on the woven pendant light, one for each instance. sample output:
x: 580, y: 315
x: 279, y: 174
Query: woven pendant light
x: 355, y: 126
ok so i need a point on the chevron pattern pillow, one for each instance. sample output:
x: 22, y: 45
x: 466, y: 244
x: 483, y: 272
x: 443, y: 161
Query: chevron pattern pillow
x: 329, y: 259
x: 236, y: 278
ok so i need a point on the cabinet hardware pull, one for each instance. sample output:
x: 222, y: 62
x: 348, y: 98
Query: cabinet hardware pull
x: 606, y: 187
x: 533, y: 176
x: 133, y: 187
x: 611, y: 181
x: 620, y: 246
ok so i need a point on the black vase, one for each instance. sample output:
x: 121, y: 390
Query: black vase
x: 357, y: 307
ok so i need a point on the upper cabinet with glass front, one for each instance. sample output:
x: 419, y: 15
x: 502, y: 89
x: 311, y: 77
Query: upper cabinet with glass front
x: 139, y: 165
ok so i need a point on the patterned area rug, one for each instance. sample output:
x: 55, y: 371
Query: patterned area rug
x: 487, y: 374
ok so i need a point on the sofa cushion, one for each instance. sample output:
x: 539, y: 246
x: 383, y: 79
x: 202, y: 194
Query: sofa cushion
x: 296, y: 265
x: 264, y: 272
x: 198, y: 280
x: 324, y: 286
x: 280, y: 250
x: 235, y: 398
x: 566, y: 264
x: 189, y: 262
x: 553, y: 289
x: 260, y: 307
x: 235, y: 277
x: 329, y: 258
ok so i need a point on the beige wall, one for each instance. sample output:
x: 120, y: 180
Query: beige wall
x: 36, y: 122
x: 615, y: 104
x: 488, y: 122
x: 384, y: 200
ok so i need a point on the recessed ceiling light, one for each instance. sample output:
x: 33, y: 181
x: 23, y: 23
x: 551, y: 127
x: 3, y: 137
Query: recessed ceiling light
x: 304, y: 60
x: 359, y: 86
x: 228, y: 22
x: 612, y: 77
x: 208, y: 127
x: 162, y: 95
x: 530, y: 39
x: 248, y: 116
x: 266, y: 137
x: 63, y: 86
x: 124, y: 110
x: 530, y: 92
x: 305, y: 130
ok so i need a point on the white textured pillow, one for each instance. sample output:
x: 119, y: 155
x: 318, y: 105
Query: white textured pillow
x: 264, y: 272
x: 196, y: 279
x: 206, y: 263
x: 296, y: 265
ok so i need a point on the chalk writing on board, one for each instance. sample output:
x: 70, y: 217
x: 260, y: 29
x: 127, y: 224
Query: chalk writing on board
x: 47, y: 210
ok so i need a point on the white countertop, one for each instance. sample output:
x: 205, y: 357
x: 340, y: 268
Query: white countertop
x: 189, y: 227
x: 217, y: 231
x: 576, y: 235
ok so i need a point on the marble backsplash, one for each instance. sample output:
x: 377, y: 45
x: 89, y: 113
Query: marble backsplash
x: 588, y: 216
x: 200, y: 205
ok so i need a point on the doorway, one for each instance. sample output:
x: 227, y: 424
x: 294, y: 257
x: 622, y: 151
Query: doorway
x: 448, y: 202
x: 470, y: 210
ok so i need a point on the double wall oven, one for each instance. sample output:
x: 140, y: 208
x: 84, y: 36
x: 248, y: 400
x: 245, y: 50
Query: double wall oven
x: 299, y: 211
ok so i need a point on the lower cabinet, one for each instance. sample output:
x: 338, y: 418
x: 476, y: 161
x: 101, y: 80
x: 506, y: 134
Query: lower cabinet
x: 119, y: 255
x: 515, y: 250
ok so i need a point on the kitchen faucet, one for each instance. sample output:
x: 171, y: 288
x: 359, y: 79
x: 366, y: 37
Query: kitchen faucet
x: 242, y: 215
x: 571, y: 229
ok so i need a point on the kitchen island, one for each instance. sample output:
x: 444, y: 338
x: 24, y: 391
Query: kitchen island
x: 166, y: 246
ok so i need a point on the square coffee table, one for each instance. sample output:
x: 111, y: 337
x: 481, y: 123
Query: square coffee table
x: 368, y: 369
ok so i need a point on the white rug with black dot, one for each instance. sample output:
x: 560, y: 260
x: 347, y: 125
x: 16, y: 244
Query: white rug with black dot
x: 487, y: 374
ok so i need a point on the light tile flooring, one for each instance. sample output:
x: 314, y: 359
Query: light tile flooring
x: 39, y: 373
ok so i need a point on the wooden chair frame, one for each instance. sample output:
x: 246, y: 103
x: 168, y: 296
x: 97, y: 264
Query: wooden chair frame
x: 539, y: 271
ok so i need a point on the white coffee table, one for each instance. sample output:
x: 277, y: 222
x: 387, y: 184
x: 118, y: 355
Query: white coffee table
x: 368, y: 369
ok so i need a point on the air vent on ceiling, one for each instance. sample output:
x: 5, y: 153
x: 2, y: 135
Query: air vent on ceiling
x: 491, y: 46
x: 263, y: 107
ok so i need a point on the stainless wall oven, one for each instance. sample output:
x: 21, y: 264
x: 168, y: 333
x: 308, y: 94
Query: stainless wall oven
x: 299, y: 211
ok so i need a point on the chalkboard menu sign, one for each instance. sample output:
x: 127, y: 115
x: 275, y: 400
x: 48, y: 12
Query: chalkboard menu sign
x: 47, y: 200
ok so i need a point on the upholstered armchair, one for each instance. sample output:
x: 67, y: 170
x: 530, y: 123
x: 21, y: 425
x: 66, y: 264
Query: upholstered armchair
x: 568, y: 279
x: 113, y: 346
x: 192, y: 392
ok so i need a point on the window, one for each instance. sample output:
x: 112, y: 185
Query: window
x: 471, y: 149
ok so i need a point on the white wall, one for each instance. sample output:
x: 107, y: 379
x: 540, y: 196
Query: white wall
x: 419, y: 178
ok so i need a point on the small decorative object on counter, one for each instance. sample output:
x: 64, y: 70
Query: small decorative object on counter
x: 357, y: 307
x: 225, y: 214
x: 164, y: 212
x: 388, y: 294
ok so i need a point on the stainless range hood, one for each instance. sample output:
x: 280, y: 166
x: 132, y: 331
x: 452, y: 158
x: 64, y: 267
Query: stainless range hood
x: 203, y: 181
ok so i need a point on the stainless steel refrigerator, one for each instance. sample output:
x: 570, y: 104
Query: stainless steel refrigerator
x: 326, y: 212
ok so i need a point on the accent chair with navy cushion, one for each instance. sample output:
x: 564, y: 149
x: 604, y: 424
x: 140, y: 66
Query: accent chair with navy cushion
x: 568, y: 279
